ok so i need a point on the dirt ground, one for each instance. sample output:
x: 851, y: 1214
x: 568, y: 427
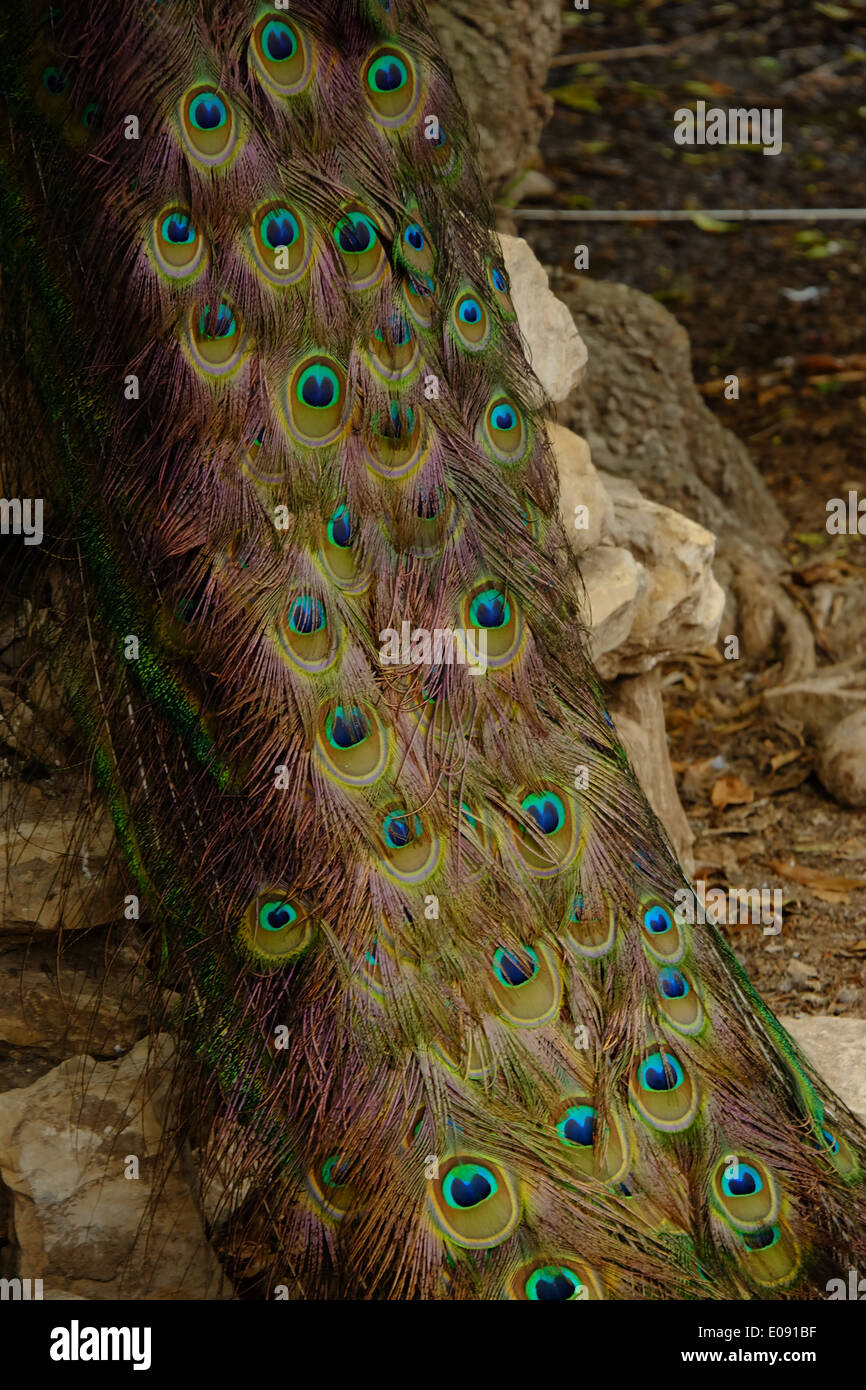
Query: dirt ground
x: 782, y: 306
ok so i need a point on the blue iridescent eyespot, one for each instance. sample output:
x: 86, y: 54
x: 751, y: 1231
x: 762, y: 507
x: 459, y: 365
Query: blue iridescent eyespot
x: 306, y: 615
x: 672, y: 984
x: 400, y: 829
x: 470, y: 310
x: 92, y: 116
x: 178, y: 229
x: 503, y: 417
x: 490, y: 609
x: 55, y: 81
x: 553, y: 1284
x: 387, y: 74
x: 499, y: 281
x: 830, y: 1140
x: 547, y: 810
x: 340, y: 528
x: 657, y: 920
x: 280, y: 228
x: 274, y: 916
x: 660, y: 1072
x: 355, y: 233
x: 347, y: 727
x: 208, y: 111
x: 414, y: 237
x: 467, y: 1185
x: 318, y: 387
x: 222, y: 324
x: 512, y: 970
x: 744, y: 1181
x: 577, y: 1126
x: 278, y: 41
x: 335, y: 1171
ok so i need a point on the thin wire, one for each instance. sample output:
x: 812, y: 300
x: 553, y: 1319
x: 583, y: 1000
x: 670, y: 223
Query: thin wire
x: 689, y: 214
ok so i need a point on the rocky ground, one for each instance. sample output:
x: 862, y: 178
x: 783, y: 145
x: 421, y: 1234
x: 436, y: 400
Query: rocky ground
x: 780, y: 305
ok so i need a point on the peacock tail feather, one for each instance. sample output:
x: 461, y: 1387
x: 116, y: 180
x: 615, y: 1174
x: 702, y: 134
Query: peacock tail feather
x: 440, y: 996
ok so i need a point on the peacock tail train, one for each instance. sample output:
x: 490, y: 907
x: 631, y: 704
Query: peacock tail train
x: 441, y: 1001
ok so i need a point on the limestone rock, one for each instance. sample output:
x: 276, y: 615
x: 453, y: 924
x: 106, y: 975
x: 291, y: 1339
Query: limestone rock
x: 681, y: 606
x: 78, y: 1223
x: 614, y: 584
x: 556, y: 350
x: 841, y: 760
x: 638, y: 712
x: 836, y: 1047
x: 580, y: 486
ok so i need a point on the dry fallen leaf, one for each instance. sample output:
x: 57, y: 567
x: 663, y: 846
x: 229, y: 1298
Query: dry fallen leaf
x: 827, y: 888
x: 731, y: 790
x: 782, y: 759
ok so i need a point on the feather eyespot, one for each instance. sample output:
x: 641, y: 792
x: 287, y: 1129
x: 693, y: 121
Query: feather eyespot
x: 470, y: 322
x: 679, y: 1001
x: 396, y: 442
x: 329, y: 1183
x: 577, y: 1129
x: 178, y: 247
x: 513, y: 970
x: 474, y: 1202
x: 92, y: 116
x: 308, y: 638
x: 360, y: 245
x: 391, y: 86
x: 216, y: 338
x: 503, y: 430
x: 393, y: 350
x: 564, y: 1281
x: 275, y: 928
x: 414, y: 248
x: 340, y: 528
x: 662, y: 935
x: 282, y: 57
x: 208, y: 124
x: 306, y: 616
x: 443, y: 152
x: 662, y: 1091
x: 500, y: 285
x: 55, y: 81
x: 418, y: 293
x: 527, y: 985
x: 546, y: 834
x: 498, y: 620
x: 351, y: 745
x: 337, y: 555
x: 410, y: 851
x: 317, y: 401
x: 282, y: 243
x: 744, y: 1190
